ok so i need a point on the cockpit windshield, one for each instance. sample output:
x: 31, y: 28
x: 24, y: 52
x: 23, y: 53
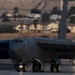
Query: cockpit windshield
x: 18, y: 41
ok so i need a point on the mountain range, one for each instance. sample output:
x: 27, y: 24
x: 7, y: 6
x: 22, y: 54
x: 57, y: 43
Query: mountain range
x: 47, y: 5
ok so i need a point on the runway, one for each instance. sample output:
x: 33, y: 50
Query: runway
x: 66, y: 69
x: 30, y: 73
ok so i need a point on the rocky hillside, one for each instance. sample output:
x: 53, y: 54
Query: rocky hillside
x: 26, y: 5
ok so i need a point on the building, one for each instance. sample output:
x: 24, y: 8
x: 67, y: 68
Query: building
x: 41, y: 27
x: 71, y: 27
x: 55, y: 17
x: 38, y: 28
x: 52, y: 27
x: 22, y: 28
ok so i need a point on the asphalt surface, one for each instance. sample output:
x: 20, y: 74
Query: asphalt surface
x: 7, y: 68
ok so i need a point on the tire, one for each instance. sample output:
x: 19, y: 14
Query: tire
x: 35, y: 68
x: 57, y: 67
x: 18, y: 69
x: 24, y: 68
x: 39, y: 67
x: 51, y: 68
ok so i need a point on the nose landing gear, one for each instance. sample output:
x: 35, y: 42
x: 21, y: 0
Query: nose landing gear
x: 20, y: 67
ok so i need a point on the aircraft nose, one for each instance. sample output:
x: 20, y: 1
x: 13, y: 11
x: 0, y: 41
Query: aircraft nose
x: 17, y: 48
x: 14, y: 51
x: 17, y: 52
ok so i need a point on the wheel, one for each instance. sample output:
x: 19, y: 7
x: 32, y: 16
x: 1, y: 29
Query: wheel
x: 35, y: 68
x: 18, y: 69
x: 40, y: 68
x: 24, y: 68
x: 57, y: 67
x: 52, y: 68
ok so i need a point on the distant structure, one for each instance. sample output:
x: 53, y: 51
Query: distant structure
x: 61, y: 5
x: 23, y: 5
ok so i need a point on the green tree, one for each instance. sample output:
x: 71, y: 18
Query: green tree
x: 55, y: 10
x: 20, y: 16
x: 35, y: 22
x: 15, y: 16
x: 72, y: 19
x: 21, y: 27
x: 45, y: 17
x: 7, y: 29
x: 71, y: 10
x: 16, y: 10
x: 4, y: 17
x: 35, y: 11
x: 24, y: 16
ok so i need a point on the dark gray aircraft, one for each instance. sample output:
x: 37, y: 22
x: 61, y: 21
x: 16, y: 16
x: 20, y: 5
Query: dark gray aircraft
x: 39, y: 50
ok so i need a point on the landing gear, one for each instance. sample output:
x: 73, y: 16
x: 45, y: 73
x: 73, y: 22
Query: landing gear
x: 20, y: 67
x: 54, y: 66
x: 24, y: 68
x: 37, y: 66
x: 72, y: 61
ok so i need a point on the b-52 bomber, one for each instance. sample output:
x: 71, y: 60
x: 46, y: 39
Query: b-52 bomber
x: 38, y: 51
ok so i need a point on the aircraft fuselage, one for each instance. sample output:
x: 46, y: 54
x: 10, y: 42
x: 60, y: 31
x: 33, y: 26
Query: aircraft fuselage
x: 44, y: 50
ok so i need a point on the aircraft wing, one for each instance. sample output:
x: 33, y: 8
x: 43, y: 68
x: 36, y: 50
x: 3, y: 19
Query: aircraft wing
x: 55, y: 44
x: 4, y: 49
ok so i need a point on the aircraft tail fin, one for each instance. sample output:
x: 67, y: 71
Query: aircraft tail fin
x: 63, y: 22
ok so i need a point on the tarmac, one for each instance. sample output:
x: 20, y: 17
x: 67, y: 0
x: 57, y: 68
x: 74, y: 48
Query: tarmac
x: 30, y: 73
x: 66, y: 69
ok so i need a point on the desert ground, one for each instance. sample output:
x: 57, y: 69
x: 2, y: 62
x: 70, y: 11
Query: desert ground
x: 5, y: 36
